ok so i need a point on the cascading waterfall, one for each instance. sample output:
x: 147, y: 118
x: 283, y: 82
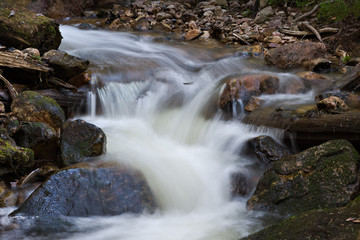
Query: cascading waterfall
x: 160, y: 115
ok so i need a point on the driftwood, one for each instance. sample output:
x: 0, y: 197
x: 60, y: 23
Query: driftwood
x: 312, y: 29
x: 241, y: 39
x: 60, y: 83
x: 16, y: 60
x: 307, y: 33
x: 12, y: 91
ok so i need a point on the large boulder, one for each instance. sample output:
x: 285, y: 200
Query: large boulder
x: 243, y: 87
x: 39, y: 137
x: 81, y: 140
x: 87, y: 191
x: 65, y: 65
x: 30, y: 106
x: 21, y: 28
x: 13, y: 159
x: 321, y: 177
x: 296, y: 54
x: 336, y: 224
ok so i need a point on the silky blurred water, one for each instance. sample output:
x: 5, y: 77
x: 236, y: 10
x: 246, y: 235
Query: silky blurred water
x: 159, y: 111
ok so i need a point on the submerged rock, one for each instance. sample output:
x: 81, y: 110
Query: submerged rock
x: 65, y: 65
x: 30, y: 106
x: 295, y: 54
x: 26, y: 29
x: 335, y: 224
x: 80, y: 140
x: 321, y: 177
x: 87, y: 191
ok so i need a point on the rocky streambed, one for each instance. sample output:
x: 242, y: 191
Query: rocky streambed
x: 183, y: 131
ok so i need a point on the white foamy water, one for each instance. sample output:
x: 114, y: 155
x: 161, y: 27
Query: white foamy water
x: 160, y: 115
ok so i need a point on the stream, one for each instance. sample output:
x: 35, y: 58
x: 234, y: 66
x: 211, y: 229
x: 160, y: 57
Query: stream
x: 158, y: 108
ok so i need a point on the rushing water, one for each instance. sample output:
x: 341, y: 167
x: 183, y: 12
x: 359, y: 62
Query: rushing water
x: 159, y: 112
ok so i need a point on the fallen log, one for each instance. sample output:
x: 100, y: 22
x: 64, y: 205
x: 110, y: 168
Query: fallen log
x: 16, y: 60
x: 307, y: 33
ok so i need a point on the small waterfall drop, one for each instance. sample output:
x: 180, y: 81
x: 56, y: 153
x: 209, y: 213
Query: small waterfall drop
x: 160, y: 116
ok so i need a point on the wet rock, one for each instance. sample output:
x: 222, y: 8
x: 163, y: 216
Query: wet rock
x: 8, y: 198
x: 253, y: 104
x: 323, y: 176
x: 27, y: 29
x: 30, y: 106
x: 295, y: 54
x: 65, y: 65
x: 87, y: 191
x: 39, y: 137
x: 80, y: 80
x: 80, y: 140
x: 13, y: 159
x: 332, y: 104
x: 267, y: 149
x: 242, y: 184
x: 351, y: 81
x: 335, y: 223
x: 242, y: 88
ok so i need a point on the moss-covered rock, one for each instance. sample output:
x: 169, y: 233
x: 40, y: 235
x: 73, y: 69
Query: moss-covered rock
x: 13, y: 159
x: 30, y: 106
x: 21, y: 28
x: 80, y: 140
x: 335, y: 224
x: 321, y: 177
x: 85, y: 190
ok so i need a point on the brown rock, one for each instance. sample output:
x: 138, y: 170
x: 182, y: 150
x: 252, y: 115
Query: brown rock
x: 295, y: 54
x: 332, y: 104
x: 253, y: 104
x: 242, y: 88
x: 80, y: 80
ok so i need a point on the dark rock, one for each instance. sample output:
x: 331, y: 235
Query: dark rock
x: 86, y: 191
x: 324, y: 176
x: 80, y: 140
x: 335, y: 224
x: 27, y: 29
x: 30, y: 106
x: 295, y: 54
x: 241, y: 184
x: 39, y: 137
x: 65, y: 65
x: 268, y: 150
x: 13, y: 159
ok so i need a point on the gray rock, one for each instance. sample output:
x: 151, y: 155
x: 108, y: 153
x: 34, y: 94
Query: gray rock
x: 87, y: 191
x: 65, y: 65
